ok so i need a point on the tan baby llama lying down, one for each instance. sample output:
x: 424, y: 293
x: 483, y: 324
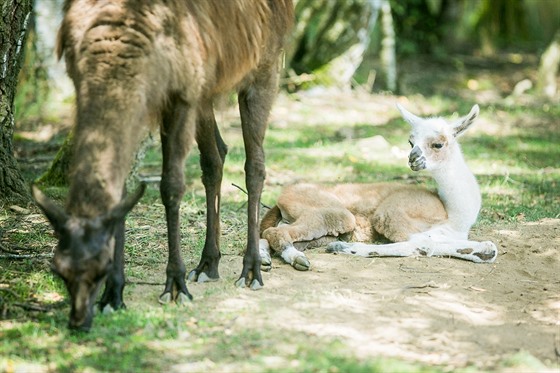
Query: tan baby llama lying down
x: 418, y: 221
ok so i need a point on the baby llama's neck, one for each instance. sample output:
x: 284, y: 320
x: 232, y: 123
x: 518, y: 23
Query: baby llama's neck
x: 459, y: 191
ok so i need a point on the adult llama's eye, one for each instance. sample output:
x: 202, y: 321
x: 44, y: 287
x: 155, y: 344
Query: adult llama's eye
x: 437, y: 146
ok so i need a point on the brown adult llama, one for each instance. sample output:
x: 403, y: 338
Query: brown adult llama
x: 137, y: 64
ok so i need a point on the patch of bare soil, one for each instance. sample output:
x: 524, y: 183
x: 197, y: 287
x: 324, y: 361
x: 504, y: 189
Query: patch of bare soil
x: 440, y: 311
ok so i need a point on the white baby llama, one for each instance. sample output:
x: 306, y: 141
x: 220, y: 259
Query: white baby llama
x: 418, y: 221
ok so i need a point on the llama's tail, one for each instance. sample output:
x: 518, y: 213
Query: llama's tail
x: 271, y: 219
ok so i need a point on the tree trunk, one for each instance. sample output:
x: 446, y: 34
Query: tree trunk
x: 341, y: 69
x: 325, y: 29
x: 57, y: 174
x: 13, y: 31
x: 33, y: 88
x: 548, y: 68
x: 500, y: 22
x: 388, y: 43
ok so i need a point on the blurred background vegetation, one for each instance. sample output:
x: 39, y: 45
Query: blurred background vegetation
x: 352, y: 43
x: 363, y: 37
x: 380, y: 46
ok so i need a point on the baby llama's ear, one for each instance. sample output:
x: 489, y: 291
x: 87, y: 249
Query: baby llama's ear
x: 462, y: 124
x: 412, y: 119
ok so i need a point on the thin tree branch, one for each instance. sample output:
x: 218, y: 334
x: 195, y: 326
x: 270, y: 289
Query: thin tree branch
x: 244, y: 191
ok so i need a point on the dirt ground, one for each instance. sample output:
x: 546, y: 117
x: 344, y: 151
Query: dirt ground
x: 441, y: 311
x: 435, y: 310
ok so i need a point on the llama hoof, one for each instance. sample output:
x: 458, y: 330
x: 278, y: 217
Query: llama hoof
x: 301, y: 263
x: 108, y: 309
x: 266, y: 261
x: 240, y: 283
x: 264, y: 252
x: 192, y: 276
x: 295, y: 258
x: 203, y: 277
x: 200, y: 277
x: 183, y: 299
x: 256, y: 285
x: 338, y: 247
x: 488, y: 253
x: 165, y: 298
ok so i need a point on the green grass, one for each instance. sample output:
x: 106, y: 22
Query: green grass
x: 149, y: 339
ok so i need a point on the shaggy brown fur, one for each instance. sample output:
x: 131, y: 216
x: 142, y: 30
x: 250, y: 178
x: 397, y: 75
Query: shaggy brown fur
x: 138, y: 64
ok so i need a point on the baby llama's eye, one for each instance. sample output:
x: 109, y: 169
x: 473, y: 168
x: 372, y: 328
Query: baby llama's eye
x: 437, y: 146
x: 411, y: 144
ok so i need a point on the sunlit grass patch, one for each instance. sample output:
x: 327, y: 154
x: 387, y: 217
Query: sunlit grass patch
x: 526, y: 197
x: 119, y: 341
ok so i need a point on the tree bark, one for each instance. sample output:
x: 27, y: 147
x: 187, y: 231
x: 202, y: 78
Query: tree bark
x: 15, y: 16
x: 388, y: 43
x: 341, y: 69
x: 33, y: 86
x: 548, y: 68
x: 57, y: 174
x: 325, y: 29
x: 501, y: 21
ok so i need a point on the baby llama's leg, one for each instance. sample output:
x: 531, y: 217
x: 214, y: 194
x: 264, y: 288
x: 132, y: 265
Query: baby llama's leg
x: 280, y: 239
x: 405, y: 248
x: 312, y: 225
x: 402, y: 218
x: 474, y: 251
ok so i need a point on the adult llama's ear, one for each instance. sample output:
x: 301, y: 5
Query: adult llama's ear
x: 412, y: 119
x: 56, y: 215
x: 120, y: 210
x: 460, y: 126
